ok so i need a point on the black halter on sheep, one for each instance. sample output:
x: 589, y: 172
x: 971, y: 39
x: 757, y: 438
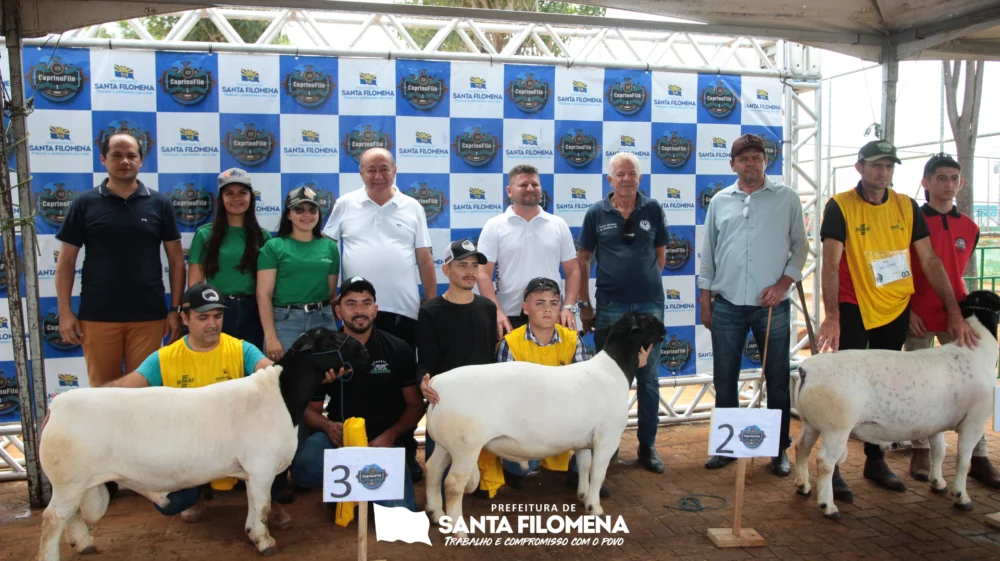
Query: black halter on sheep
x: 305, y: 364
x: 634, y: 330
x: 985, y: 305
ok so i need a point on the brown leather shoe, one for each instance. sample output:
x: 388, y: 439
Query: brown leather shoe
x: 879, y: 472
x: 920, y: 464
x: 841, y: 490
x: 982, y: 470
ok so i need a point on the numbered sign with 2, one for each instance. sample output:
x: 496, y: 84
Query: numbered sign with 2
x: 744, y: 433
x: 356, y: 474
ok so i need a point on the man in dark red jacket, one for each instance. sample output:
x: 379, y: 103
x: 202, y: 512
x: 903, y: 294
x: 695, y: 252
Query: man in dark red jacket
x: 954, y: 237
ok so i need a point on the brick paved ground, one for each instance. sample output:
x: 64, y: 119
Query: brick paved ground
x: 879, y: 525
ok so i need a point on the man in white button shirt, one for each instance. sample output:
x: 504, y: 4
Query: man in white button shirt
x: 383, y: 237
x: 523, y: 243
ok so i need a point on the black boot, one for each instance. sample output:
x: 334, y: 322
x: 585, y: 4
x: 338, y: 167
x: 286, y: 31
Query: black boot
x: 982, y: 471
x: 716, y: 462
x: 649, y: 459
x: 780, y: 465
x: 841, y: 491
x: 878, y: 471
x: 416, y: 472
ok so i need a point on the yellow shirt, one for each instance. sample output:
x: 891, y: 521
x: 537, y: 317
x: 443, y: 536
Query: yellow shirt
x: 182, y: 367
x: 878, y: 236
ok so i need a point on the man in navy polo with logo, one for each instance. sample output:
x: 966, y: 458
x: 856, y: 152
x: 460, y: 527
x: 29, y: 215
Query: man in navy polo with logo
x: 384, y: 393
x: 627, y: 234
x: 123, y: 310
x: 755, y: 248
x: 954, y: 237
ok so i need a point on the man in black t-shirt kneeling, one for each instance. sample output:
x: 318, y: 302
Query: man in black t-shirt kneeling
x: 384, y: 393
x: 458, y: 328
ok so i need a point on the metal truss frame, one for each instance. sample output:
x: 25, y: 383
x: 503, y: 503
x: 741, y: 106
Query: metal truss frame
x: 676, y: 48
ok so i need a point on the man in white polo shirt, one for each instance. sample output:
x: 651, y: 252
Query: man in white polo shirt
x: 383, y: 237
x: 523, y: 243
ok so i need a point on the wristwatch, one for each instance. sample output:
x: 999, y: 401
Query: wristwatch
x: 572, y: 308
x: 178, y: 309
x: 583, y: 305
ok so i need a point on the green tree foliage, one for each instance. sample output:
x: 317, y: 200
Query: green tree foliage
x: 204, y: 30
x: 453, y: 43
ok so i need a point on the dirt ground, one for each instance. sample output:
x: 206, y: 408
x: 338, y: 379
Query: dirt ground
x: 915, y: 524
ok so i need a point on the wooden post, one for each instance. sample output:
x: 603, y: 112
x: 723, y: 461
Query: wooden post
x: 363, y: 531
x: 737, y: 536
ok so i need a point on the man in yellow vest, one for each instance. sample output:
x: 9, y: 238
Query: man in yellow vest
x: 542, y: 341
x: 867, y: 234
x: 203, y: 357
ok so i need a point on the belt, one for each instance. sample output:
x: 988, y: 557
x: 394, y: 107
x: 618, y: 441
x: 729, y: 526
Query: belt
x: 238, y: 297
x: 311, y: 307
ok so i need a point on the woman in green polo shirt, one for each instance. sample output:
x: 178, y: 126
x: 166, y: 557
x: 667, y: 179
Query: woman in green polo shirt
x: 224, y: 254
x: 296, y: 275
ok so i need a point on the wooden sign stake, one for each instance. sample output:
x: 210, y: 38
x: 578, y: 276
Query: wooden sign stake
x: 363, y: 531
x: 737, y: 536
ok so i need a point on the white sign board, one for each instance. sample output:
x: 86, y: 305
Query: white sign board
x: 744, y: 433
x: 358, y: 474
x: 996, y: 408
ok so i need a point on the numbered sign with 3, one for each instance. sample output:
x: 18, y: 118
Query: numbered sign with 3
x: 357, y: 474
x: 744, y: 433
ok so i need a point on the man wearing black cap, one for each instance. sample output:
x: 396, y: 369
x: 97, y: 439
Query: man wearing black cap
x: 458, y: 328
x: 954, y: 237
x: 754, y: 249
x: 384, y: 393
x: 867, y: 273
x: 203, y: 357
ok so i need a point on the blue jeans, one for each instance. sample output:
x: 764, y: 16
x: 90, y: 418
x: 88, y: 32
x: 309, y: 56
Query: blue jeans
x: 242, y: 320
x: 307, y: 469
x: 290, y: 323
x: 647, y: 379
x: 730, y: 325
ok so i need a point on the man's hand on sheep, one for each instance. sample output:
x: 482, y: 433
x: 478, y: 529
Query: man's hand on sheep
x: 828, y: 337
x: 335, y: 431
x: 960, y: 330
x: 425, y: 388
x: 644, y: 355
x: 917, y: 327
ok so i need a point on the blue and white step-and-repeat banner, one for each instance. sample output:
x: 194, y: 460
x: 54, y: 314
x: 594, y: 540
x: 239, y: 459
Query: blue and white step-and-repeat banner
x: 455, y: 129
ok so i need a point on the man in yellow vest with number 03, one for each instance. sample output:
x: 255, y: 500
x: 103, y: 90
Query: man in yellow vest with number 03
x: 867, y: 234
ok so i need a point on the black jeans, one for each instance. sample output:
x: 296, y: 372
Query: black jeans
x: 890, y: 336
x: 242, y: 320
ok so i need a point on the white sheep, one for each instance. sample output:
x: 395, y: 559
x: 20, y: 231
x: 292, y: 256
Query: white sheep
x: 889, y: 396
x: 159, y: 440
x: 522, y: 411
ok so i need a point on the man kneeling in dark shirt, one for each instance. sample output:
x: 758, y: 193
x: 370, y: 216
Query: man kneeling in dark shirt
x: 384, y: 393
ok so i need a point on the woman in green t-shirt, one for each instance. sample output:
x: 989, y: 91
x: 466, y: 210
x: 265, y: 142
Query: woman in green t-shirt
x: 224, y: 254
x: 296, y: 275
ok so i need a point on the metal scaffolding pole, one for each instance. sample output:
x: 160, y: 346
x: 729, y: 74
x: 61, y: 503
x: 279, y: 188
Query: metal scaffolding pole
x: 31, y: 395
x: 890, y: 77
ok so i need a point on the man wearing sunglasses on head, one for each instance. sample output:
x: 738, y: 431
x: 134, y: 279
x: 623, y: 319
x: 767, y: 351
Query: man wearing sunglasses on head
x: 627, y: 234
x: 754, y: 249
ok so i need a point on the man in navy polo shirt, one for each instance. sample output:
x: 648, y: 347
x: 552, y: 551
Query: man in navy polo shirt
x: 627, y: 233
x: 123, y: 312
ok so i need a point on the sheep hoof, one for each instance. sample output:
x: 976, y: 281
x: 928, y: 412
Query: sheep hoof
x: 270, y: 551
x: 832, y: 515
x: 964, y: 507
x: 801, y: 491
x: 89, y: 550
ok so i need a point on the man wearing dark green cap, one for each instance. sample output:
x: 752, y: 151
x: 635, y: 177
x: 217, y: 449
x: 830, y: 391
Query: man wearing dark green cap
x: 867, y: 234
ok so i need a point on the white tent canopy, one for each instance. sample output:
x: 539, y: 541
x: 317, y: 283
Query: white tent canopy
x: 924, y: 29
